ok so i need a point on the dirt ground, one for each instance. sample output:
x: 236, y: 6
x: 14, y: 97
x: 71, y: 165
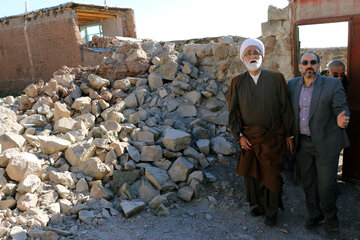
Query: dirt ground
x: 222, y: 213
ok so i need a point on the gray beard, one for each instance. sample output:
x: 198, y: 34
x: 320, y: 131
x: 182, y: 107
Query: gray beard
x: 252, y: 66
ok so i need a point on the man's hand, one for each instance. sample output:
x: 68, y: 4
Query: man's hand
x: 245, y: 143
x: 290, y: 143
x: 342, y: 120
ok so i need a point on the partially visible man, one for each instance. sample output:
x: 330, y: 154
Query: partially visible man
x: 260, y: 118
x: 336, y: 69
x: 321, y: 114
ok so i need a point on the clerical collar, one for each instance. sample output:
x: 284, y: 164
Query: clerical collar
x: 255, y: 77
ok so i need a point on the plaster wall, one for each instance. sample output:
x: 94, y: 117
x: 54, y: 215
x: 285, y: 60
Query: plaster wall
x: 310, y: 9
x: 34, y: 47
x: 112, y: 27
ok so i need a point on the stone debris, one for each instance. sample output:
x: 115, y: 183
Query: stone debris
x: 140, y: 129
x: 132, y: 207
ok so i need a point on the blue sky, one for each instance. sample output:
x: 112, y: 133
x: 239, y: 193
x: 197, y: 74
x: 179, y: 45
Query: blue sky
x: 185, y: 19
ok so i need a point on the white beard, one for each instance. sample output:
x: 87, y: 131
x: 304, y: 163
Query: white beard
x: 253, y: 66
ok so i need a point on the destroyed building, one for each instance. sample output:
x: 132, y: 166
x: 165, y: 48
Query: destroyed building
x: 35, y: 44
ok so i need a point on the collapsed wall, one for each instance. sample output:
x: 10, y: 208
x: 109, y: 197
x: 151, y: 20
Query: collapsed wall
x: 138, y: 130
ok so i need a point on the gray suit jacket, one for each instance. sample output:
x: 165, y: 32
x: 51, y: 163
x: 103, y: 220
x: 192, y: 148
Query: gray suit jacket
x: 327, y: 102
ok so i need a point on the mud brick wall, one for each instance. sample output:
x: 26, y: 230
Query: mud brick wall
x: 35, y: 46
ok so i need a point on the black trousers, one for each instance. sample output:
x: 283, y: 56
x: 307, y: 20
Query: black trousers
x: 318, y: 177
x: 258, y: 194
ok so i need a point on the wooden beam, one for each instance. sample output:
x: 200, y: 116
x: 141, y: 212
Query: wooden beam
x: 99, y: 15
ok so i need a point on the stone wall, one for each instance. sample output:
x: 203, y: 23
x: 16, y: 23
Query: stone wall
x: 328, y: 54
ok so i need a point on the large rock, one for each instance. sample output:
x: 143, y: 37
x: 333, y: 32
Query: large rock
x: 60, y: 111
x: 151, y: 153
x: 35, y: 120
x: 86, y: 216
x: 8, y: 121
x: 187, y: 111
x: 204, y: 146
x: 98, y: 82
x: 132, y: 207
x: 27, y: 201
x: 155, y: 81
x: 93, y: 167
x: 7, y: 203
x: 29, y: 185
x: 131, y: 101
x: 176, y: 140
x: 22, y: 165
x: 63, y: 178
x: 11, y: 140
x: 39, y: 216
x: 6, y: 155
x: 201, y: 133
x: 64, y: 125
x: 87, y: 118
x: 123, y: 84
x: 168, y: 68
x: 185, y: 193
x: 159, y: 178
x: 194, y: 97
x: 121, y: 177
x: 81, y: 103
x: 99, y: 192
x: 180, y: 170
x: 18, y: 233
x: 79, y: 152
x: 146, y: 191
x: 146, y: 137
x: 137, y: 62
x: 226, y: 40
x: 82, y: 185
x: 158, y: 200
x: 134, y: 153
x: 52, y: 144
x: 221, y: 146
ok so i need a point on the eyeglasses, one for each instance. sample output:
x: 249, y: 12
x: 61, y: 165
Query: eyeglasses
x: 336, y: 75
x: 250, y: 53
x: 306, y: 62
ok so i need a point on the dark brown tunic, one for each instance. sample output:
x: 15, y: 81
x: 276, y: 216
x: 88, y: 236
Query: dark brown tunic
x: 263, y: 114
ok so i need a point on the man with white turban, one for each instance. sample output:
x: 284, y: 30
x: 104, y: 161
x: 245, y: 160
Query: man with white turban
x: 260, y: 118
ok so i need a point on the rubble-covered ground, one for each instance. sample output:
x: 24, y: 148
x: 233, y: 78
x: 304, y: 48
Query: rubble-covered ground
x: 136, y: 148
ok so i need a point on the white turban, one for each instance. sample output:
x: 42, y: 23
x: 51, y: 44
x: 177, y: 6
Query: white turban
x: 252, y: 42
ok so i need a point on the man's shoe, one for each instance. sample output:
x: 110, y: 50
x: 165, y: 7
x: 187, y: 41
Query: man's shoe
x: 314, y: 222
x: 332, y: 225
x: 256, y: 212
x: 270, y: 221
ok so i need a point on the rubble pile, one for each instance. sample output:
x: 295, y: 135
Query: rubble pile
x: 84, y: 140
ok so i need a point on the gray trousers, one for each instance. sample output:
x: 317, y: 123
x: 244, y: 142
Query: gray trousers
x: 318, y: 176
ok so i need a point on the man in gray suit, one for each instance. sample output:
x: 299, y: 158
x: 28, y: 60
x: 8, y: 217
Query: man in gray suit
x: 321, y: 114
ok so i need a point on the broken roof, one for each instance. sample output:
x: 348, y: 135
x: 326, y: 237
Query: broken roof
x: 83, y: 11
